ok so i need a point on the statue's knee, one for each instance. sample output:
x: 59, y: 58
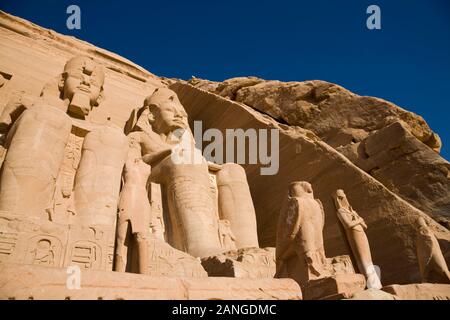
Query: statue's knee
x: 231, y: 172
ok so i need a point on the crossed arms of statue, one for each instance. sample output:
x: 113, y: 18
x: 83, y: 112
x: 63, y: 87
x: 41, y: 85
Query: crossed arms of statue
x: 345, y: 216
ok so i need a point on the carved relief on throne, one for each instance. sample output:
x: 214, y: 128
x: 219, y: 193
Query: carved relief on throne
x: 44, y: 250
x: 8, y: 243
x: 86, y: 254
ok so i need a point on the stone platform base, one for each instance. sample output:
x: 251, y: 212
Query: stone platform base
x: 35, y: 282
x: 419, y: 291
x: 340, y: 286
x: 373, y: 294
x: 254, y: 263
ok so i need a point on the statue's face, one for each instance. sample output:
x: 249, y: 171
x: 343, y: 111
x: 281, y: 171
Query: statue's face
x: 340, y: 196
x: 169, y: 116
x: 340, y: 200
x: 83, y: 76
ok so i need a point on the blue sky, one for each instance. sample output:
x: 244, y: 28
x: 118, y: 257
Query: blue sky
x: 406, y: 62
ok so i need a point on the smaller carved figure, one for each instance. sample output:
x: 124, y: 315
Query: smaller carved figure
x: 354, y: 227
x: 299, y: 235
x: 432, y: 265
x: 134, y: 213
x: 43, y: 253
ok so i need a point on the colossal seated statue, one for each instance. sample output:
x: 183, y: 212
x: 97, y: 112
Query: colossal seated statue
x: 167, y: 144
x: 60, y: 179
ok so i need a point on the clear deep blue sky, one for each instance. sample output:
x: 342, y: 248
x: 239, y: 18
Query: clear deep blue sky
x: 406, y: 62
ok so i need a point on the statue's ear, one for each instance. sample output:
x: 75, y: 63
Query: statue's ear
x: 129, y: 125
x: 101, y: 98
x: 151, y: 112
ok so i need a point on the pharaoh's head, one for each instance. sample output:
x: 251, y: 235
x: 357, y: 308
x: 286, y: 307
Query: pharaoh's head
x: 340, y: 200
x: 82, y: 84
x: 165, y: 112
x: 300, y: 189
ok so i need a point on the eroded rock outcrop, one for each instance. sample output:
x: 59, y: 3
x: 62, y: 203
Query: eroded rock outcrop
x: 345, y: 121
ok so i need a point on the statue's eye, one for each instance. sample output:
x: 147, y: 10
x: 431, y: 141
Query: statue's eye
x: 87, y: 71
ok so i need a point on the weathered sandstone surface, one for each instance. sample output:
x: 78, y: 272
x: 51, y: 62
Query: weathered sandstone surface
x: 304, y: 156
x: 422, y: 291
x: 408, y: 163
x: 87, y: 181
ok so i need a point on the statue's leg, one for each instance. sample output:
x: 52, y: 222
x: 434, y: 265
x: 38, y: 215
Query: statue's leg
x: 121, y: 252
x: 98, y: 178
x: 142, y: 247
x: 236, y: 205
x: 191, y: 207
x: 364, y: 259
x: 33, y: 160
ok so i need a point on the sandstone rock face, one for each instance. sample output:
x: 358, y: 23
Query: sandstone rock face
x: 410, y: 166
x: 393, y: 156
x: 85, y: 133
